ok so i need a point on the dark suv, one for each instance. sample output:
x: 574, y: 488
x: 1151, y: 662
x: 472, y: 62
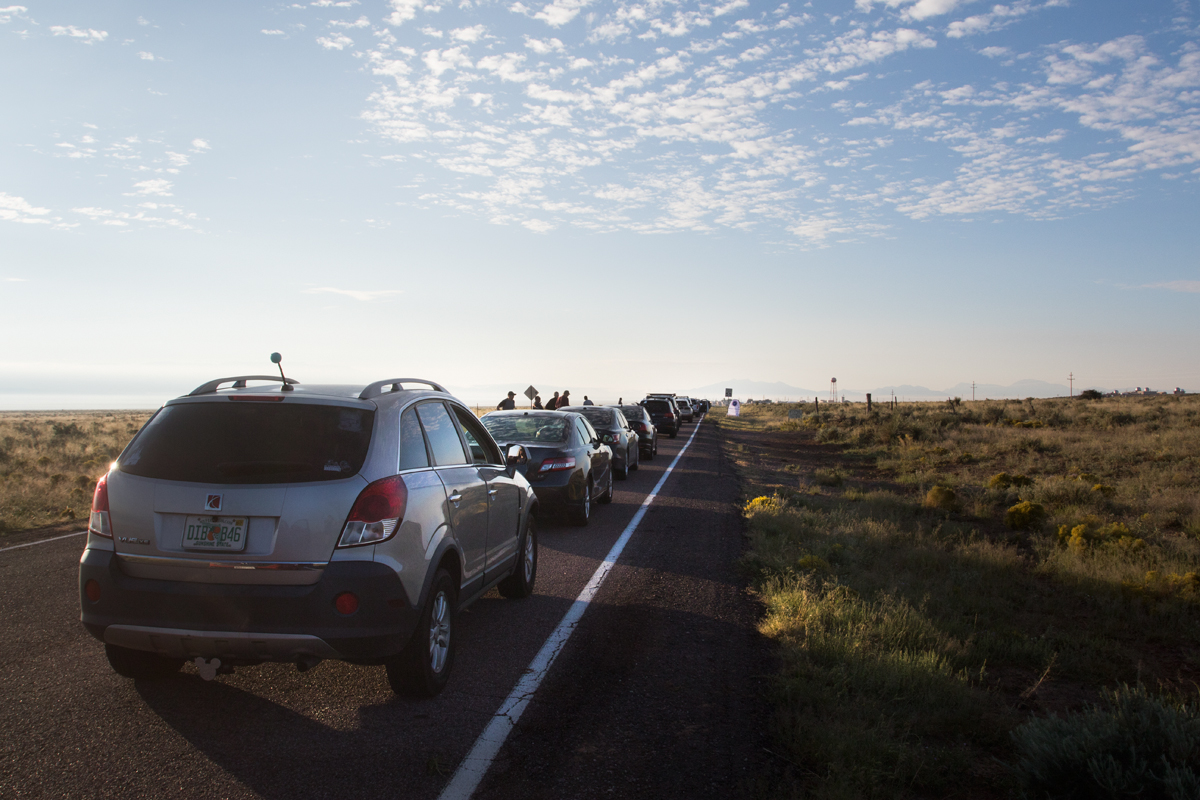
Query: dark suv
x: 296, y: 523
x: 664, y: 414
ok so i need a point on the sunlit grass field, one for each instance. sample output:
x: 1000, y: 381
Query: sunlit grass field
x: 939, y: 575
x: 50, y: 461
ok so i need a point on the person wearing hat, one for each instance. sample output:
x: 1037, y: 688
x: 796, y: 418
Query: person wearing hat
x: 507, y: 404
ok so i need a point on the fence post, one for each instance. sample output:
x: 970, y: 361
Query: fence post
x: 868, y: 401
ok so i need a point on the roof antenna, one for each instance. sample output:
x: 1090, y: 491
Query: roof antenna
x: 277, y: 360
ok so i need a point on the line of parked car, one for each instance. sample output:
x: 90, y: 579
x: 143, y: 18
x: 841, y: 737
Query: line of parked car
x: 293, y: 523
x: 573, y: 453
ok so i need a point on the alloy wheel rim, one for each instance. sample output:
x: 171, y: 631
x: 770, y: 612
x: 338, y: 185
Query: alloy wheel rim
x: 439, y: 632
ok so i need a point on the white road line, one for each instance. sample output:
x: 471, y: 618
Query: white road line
x: 43, y: 541
x: 472, y: 769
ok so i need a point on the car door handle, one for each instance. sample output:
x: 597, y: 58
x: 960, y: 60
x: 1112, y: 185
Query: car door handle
x: 492, y: 492
x: 455, y: 498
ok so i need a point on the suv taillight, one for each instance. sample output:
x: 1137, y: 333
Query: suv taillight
x: 376, y: 514
x: 99, y: 522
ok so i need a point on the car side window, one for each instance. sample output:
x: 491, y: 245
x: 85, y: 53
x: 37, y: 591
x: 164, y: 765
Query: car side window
x: 443, y: 436
x: 589, y: 433
x: 583, y: 436
x: 624, y: 423
x: 413, y: 454
x: 483, y: 449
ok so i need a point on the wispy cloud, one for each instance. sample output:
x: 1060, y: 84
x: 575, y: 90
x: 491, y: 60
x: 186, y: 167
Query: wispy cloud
x: 86, y: 35
x: 1192, y: 287
x: 17, y: 209
x: 730, y: 119
x: 8, y: 12
x: 364, y: 296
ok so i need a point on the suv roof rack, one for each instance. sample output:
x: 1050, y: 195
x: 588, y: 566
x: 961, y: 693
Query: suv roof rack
x: 376, y: 388
x: 239, y: 382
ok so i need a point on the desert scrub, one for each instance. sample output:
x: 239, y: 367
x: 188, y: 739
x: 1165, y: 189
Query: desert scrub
x: 867, y: 590
x: 1134, y: 745
x: 49, y: 462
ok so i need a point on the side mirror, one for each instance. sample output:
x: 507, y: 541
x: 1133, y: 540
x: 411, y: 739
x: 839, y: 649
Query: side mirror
x: 516, y: 455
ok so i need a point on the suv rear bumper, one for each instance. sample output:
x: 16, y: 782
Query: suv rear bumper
x: 238, y: 622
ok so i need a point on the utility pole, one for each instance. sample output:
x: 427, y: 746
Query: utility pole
x: 1071, y: 378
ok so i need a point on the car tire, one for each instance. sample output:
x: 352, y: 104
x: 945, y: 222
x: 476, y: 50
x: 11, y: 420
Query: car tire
x: 673, y: 433
x: 130, y: 663
x: 636, y: 457
x: 654, y: 450
x: 623, y: 472
x: 581, y: 513
x: 423, y: 667
x: 520, y: 583
x: 607, y: 497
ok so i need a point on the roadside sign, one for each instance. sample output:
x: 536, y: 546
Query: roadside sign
x: 795, y: 413
x: 531, y: 392
x: 729, y: 392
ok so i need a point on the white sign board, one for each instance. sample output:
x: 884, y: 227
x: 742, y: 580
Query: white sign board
x: 735, y: 409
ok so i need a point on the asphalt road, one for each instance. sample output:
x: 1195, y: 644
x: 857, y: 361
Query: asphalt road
x: 659, y: 692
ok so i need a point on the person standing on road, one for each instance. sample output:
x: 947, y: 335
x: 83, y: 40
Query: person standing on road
x: 587, y: 402
x: 552, y: 403
x: 507, y: 404
x: 537, y: 401
x: 565, y: 400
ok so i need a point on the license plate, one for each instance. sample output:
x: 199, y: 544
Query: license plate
x: 223, y: 534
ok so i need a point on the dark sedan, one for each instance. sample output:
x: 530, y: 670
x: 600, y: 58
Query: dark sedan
x: 567, y: 465
x: 665, y: 415
x: 615, y: 432
x: 643, y: 426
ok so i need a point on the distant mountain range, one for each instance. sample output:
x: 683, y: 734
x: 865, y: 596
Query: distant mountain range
x: 744, y: 389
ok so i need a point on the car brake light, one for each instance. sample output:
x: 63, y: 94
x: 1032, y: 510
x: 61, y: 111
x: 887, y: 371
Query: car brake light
x: 554, y: 464
x: 99, y: 522
x: 377, y: 512
x: 608, y: 438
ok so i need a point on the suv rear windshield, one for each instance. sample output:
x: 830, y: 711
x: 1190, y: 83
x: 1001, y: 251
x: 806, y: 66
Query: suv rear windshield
x: 232, y: 442
x: 658, y: 406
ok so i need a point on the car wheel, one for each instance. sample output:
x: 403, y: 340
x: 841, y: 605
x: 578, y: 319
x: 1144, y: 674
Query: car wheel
x: 673, y: 433
x: 607, y: 497
x: 520, y: 583
x: 140, y: 663
x: 423, y: 667
x: 654, y: 451
x: 581, y: 513
x: 621, y: 472
x: 634, y: 464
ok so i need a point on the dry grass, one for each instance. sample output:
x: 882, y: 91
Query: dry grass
x: 49, y: 462
x: 918, y: 629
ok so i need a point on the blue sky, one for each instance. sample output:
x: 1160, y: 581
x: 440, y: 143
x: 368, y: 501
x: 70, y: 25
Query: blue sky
x: 614, y: 197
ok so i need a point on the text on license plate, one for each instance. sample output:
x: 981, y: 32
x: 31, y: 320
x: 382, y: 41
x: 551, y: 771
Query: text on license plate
x: 215, y: 533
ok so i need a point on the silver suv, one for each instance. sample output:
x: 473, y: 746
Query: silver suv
x: 295, y: 523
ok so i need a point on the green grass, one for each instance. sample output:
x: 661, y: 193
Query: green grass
x: 917, y: 630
